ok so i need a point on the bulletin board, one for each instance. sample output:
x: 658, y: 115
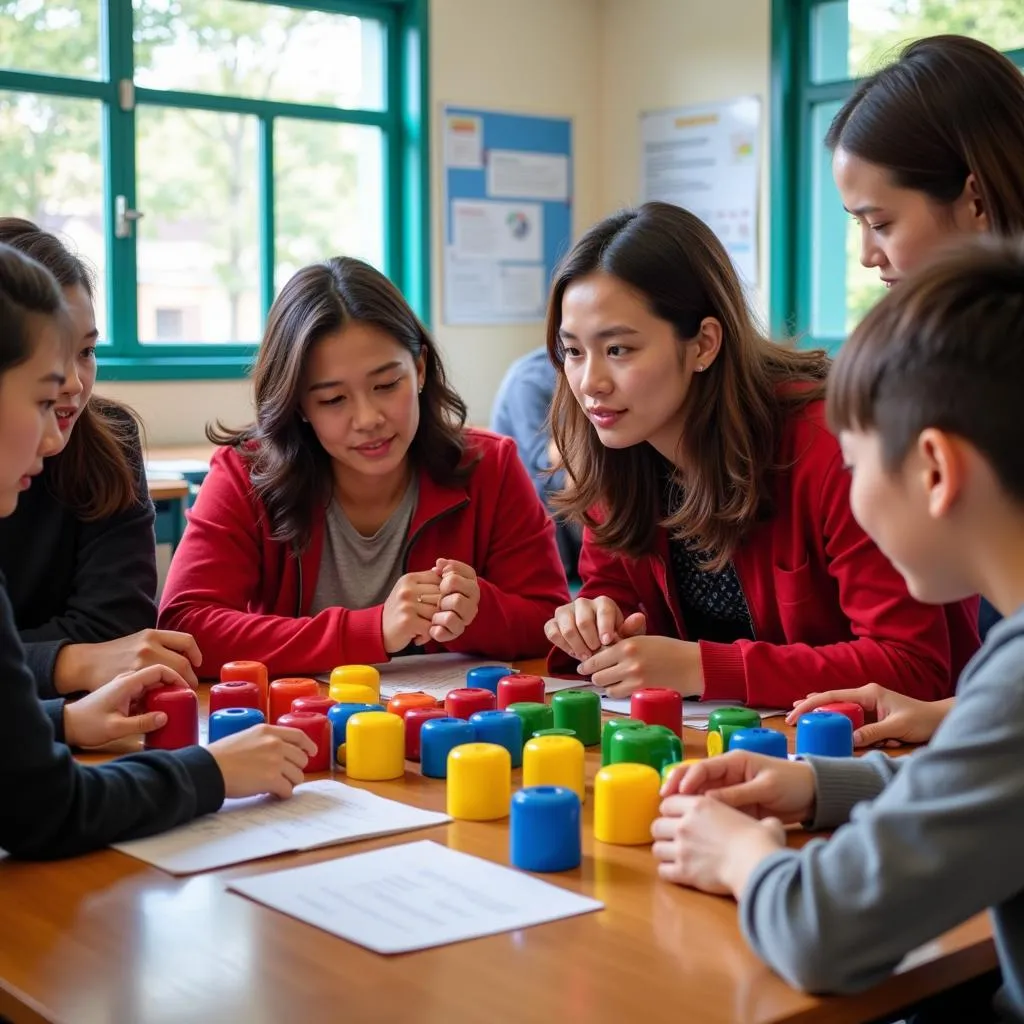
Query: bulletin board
x: 507, y: 213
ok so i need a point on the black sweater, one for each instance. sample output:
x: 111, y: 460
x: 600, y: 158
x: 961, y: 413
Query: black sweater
x: 77, y: 582
x: 52, y: 806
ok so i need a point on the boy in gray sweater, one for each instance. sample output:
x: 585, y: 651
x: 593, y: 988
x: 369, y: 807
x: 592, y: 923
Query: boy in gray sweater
x: 926, y: 397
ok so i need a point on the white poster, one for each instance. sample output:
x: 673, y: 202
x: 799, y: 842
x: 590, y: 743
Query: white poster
x: 486, y: 230
x: 512, y: 174
x: 463, y: 141
x: 706, y: 159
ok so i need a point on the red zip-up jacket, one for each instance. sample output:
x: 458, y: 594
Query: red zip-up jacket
x: 827, y: 607
x: 243, y: 595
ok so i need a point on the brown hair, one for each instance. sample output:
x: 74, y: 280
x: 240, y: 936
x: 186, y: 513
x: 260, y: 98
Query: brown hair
x: 27, y: 290
x: 290, y: 469
x: 732, y: 420
x: 95, y: 473
x: 945, y: 350
x: 948, y: 107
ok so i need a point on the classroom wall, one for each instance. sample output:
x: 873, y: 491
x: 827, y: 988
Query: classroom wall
x: 667, y: 53
x: 600, y: 62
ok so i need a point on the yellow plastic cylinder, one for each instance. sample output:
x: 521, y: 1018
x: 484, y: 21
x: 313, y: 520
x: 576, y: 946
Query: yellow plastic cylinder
x: 626, y: 800
x: 353, y: 693
x: 479, y: 782
x: 356, y: 675
x: 555, y: 761
x: 374, y: 746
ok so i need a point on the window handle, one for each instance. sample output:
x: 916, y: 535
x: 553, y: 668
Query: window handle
x: 124, y: 216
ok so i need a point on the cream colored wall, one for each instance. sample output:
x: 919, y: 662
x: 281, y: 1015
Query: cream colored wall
x: 669, y: 53
x: 599, y: 62
x: 528, y: 57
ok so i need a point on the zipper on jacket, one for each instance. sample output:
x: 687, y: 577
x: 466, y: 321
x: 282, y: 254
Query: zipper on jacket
x: 428, y: 522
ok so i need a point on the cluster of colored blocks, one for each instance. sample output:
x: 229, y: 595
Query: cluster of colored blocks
x: 497, y: 722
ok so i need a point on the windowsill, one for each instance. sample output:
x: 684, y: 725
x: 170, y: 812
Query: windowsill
x: 191, y: 366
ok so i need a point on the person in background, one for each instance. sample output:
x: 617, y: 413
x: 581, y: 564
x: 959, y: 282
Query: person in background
x: 521, y: 410
x: 931, y: 149
x: 79, y: 552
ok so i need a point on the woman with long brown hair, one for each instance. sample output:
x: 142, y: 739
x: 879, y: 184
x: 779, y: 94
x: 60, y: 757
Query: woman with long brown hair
x: 358, y: 518
x: 720, y: 556
x: 79, y: 552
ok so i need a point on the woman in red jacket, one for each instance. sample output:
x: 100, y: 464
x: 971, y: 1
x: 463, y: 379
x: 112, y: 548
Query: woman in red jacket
x: 720, y: 556
x: 358, y: 518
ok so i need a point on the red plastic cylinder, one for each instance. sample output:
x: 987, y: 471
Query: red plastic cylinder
x: 414, y: 719
x: 321, y: 705
x: 657, y: 705
x: 238, y: 693
x: 520, y: 689
x: 468, y: 701
x: 402, y: 703
x: 854, y: 712
x: 318, y: 729
x: 181, y: 706
x: 250, y: 671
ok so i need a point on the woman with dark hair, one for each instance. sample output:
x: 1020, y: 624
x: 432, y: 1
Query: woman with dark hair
x: 929, y: 149
x: 720, y: 556
x: 51, y: 806
x: 358, y: 518
x: 79, y: 552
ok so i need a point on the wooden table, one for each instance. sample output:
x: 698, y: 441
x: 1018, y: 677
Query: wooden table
x: 106, y: 939
x: 170, y: 499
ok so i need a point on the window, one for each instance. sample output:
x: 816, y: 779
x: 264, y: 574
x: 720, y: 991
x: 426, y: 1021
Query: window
x: 820, y: 49
x: 197, y: 152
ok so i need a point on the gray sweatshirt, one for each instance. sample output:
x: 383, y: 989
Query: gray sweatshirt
x: 929, y: 841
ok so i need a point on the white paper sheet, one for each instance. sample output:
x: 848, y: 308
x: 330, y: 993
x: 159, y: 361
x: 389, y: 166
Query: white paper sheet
x: 436, y: 674
x: 413, y: 896
x: 483, y: 229
x: 463, y: 141
x: 319, y: 813
x: 514, y: 174
x: 696, y: 714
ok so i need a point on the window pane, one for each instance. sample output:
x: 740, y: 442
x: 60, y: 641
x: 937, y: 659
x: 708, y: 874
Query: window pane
x: 50, y: 155
x: 842, y: 290
x: 198, y: 258
x: 51, y: 37
x: 328, y: 194
x: 259, y: 51
x: 852, y: 38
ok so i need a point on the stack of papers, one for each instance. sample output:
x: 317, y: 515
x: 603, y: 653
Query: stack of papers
x: 321, y: 813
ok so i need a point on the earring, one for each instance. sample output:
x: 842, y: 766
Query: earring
x: 700, y: 369
x: 420, y: 392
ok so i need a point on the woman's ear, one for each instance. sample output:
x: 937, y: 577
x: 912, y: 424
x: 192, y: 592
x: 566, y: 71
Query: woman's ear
x: 421, y: 370
x: 971, y: 207
x: 706, y: 344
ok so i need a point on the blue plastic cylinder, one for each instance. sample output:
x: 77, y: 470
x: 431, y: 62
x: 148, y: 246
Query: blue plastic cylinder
x: 827, y: 733
x: 544, y: 831
x: 502, y: 727
x: 438, y: 738
x: 338, y: 716
x: 759, y: 741
x: 486, y: 676
x: 228, y: 721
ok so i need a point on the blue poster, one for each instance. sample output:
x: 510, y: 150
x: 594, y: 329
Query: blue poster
x: 507, y: 213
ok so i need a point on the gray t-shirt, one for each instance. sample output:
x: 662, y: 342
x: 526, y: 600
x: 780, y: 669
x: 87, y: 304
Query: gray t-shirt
x: 932, y: 839
x: 357, y: 571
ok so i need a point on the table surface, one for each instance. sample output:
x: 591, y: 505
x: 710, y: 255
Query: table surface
x: 106, y: 938
x: 161, y: 489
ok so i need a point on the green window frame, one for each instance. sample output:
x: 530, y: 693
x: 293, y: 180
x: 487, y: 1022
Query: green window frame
x: 808, y: 285
x: 404, y: 124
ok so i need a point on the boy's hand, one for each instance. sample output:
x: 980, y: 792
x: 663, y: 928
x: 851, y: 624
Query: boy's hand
x: 757, y: 785
x: 707, y: 845
x: 114, y: 711
x: 899, y: 719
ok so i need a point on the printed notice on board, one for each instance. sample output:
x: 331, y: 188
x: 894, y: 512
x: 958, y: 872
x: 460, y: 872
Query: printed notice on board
x: 463, y: 141
x: 706, y: 160
x: 515, y: 175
